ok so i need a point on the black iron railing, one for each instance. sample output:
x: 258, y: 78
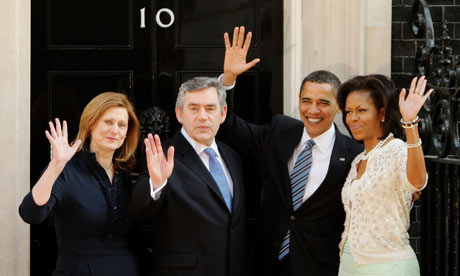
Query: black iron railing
x: 439, y: 129
x: 440, y: 218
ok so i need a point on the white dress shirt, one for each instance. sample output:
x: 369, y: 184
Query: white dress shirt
x: 199, y: 149
x: 321, y: 154
x: 321, y: 157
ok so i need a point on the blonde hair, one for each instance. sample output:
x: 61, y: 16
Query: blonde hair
x: 124, y: 156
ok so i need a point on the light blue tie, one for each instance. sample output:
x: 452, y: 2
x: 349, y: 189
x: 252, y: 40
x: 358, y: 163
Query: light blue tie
x: 218, y: 174
x: 299, y: 176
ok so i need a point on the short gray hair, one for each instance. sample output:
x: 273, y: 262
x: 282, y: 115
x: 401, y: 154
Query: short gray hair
x: 198, y: 83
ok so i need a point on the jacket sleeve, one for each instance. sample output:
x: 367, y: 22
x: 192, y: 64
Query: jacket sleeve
x: 246, y: 138
x: 31, y: 213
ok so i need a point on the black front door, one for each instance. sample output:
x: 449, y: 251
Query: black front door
x: 82, y: 48
x: 193, y: 46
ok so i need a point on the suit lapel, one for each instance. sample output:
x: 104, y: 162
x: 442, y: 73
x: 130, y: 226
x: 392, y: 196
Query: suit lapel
x: 188, y: 156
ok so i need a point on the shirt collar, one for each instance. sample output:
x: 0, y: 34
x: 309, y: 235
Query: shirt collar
x: 323, y: 141
x: 199, y: 148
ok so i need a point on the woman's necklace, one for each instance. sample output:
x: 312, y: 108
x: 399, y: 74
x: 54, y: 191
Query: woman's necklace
x: 111, y: 166
x: 109, y: 172
x: 109, y: 169
x: 379, y: 145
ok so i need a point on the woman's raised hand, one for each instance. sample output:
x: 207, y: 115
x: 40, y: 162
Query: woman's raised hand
x: 62, y: 152
x: 410, y: 106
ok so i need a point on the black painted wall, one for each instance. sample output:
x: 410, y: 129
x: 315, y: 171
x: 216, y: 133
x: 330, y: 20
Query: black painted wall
x: 403, y: 49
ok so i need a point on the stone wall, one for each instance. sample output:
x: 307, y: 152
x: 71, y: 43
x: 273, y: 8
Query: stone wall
x: 14, y: 134
x: 345, y: 37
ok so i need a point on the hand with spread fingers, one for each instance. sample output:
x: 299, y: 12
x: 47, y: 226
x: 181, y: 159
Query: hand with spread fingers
x: 235, y: 55
x: 62, y: 152
x: 159, y: 167
x: 410, y: 104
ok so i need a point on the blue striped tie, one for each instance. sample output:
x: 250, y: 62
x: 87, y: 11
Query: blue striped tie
x: 218, y: 174
x: 299, y: 176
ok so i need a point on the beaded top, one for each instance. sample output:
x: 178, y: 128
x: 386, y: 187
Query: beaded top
x: 377, y: 206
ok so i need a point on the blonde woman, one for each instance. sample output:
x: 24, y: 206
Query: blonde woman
x: 86, y: 187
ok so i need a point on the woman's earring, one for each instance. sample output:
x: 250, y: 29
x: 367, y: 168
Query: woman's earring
x: 383, y: 120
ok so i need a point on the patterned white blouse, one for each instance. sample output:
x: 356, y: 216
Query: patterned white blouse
x: 378, y: 207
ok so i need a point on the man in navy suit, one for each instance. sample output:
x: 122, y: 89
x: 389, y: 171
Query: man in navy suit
x: 301, y: 241
x: 194, y: 195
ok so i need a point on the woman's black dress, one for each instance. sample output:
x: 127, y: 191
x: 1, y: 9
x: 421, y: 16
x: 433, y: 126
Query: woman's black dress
x: 91, y: 217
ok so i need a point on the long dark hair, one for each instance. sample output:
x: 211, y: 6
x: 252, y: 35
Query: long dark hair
x: 383, y: 93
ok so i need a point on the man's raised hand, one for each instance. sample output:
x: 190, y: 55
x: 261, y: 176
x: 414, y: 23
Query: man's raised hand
x: 235, y: 55
x: 159, y: 167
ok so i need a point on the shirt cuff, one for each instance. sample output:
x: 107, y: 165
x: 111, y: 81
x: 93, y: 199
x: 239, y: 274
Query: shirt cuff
x: 155, y: 194
x: 226, y: 87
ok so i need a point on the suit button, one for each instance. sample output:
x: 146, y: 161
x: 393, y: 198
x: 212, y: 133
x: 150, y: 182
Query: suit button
x: 292, y: 217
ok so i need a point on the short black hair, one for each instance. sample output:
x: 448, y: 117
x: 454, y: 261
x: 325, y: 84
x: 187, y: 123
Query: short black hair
x: 383, y: 93
x: 322, y: 76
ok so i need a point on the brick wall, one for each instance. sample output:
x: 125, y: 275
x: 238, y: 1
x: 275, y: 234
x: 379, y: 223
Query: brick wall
x: 403, y: 49
x: 403, y: 42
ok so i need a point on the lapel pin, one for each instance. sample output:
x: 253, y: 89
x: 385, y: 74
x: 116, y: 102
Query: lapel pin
x: 342, y: 159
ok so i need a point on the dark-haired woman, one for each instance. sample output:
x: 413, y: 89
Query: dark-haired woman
x: 87, y: 188
x: 377, y: 193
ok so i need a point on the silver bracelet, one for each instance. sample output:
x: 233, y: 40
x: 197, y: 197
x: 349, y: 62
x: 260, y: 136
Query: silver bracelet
x: 410, y: 146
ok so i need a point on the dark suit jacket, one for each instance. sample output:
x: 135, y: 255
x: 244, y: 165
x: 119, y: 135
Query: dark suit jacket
x: 194, y: 232
x: 317, y: 225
